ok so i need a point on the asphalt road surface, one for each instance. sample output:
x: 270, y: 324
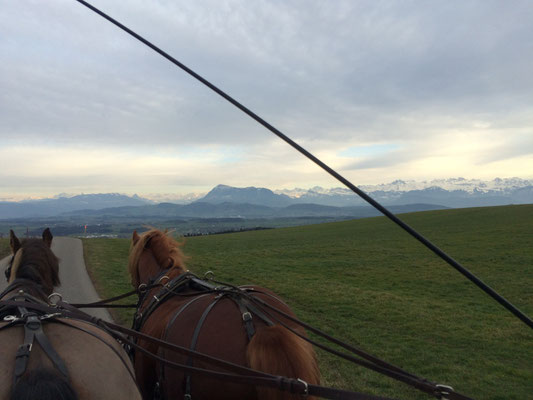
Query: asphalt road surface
x: 76, y: 286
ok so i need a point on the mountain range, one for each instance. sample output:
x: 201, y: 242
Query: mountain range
x: 227, y: 201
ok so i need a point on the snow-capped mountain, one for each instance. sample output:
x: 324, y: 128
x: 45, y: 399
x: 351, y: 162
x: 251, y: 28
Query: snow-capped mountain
x: 175, y: 198
x: 452, y: 192
x: 450, y: 184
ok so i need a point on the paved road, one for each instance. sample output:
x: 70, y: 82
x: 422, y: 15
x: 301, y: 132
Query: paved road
x: 76, y: 286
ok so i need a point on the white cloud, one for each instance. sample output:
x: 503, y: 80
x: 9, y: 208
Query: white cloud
x: 447, y: 86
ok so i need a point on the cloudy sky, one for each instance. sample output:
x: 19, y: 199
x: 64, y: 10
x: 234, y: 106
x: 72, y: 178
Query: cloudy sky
x: 380, y: 90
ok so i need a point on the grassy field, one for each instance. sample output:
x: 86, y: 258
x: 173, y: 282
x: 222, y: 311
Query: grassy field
x: 4, y: 248
x: 369, y: 283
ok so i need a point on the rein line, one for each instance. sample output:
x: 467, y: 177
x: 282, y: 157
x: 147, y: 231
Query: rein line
x: 440, y: 253
x: 252, y: 377
x: 372, y: 362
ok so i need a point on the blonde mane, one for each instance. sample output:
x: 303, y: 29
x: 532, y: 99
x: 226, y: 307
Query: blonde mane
x: 165, y: 249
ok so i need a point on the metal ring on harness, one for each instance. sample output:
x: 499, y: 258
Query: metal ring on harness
x: 11, y: 318
x: 142, y: 288
x: 163, y: 277
x: 53, y: 296
x: 209, y: 275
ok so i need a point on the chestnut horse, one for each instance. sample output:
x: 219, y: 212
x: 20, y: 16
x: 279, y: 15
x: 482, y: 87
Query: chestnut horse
x: 44, y: 356
x: 210, y: 323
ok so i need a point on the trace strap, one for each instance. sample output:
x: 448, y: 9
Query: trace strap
x: 254, y: 305
x: 33, y: 330
x: 240, y: 374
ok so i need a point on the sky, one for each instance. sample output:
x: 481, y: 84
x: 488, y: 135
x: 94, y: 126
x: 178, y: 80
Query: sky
x: 379, y: 90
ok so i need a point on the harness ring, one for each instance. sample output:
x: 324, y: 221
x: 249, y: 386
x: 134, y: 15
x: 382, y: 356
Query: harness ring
x: 53, y: 296
x: 142, y: 287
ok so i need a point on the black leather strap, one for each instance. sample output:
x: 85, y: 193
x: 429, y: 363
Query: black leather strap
x: 33, y: 330
x: 161, y: 366
x: 194, y: 341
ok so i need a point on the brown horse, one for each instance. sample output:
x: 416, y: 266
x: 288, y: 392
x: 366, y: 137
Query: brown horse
x: 64, y: 358
x: 218, y: 325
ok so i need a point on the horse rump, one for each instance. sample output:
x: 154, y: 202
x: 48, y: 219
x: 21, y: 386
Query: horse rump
x: 43, y: 384
x: 278, y: 351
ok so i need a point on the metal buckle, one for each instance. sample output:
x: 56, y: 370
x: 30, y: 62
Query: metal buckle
x: 306, y: 387
x: 444, y: 391
x: 24, y: 350
x: 209, y: 275
x: 246, y: 316
x: 163, y: 277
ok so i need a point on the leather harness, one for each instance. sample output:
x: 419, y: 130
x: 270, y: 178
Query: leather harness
x: 188, y: 282
x: 33, y: 329
x: 23, y: 308
x: 236, y: 373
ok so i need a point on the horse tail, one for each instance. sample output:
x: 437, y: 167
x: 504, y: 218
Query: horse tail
x: 278, y: 351
x: 43, y: 384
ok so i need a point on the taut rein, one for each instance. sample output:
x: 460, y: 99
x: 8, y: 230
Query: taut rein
x: 262, y: 309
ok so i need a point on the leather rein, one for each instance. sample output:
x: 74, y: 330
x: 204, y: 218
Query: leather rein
x: 254, y: 306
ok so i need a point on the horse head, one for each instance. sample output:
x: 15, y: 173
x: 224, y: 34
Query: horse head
x: 152, y: 253
x: 33, y: 260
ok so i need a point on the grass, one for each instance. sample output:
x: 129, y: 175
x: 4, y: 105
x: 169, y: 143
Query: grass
x: 5, y: 250
x: 369, y: 283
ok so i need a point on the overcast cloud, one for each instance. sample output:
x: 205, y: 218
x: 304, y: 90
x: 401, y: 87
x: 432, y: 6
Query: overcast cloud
x: 381, y: 90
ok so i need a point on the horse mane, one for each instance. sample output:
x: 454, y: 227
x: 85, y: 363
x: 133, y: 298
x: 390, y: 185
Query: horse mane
x: 166, y: 250
x: 35, y: 261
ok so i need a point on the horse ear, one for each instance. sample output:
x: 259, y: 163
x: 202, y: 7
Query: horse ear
x: 135, y: 238
x: 47, y: 237
x: 14, y: 241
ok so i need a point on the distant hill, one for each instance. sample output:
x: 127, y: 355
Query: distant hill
x: 252, y: 202
x: 56, y: 206
x: 244, y: 210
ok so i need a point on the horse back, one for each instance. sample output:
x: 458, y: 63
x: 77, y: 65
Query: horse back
x: 97, y: 365
x: 211, y: 324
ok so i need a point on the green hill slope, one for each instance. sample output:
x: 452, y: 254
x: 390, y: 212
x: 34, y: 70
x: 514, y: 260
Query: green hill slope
x: 369, y: 283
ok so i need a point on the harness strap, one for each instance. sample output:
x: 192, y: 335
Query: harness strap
x: 265, y: 380
x: 167, y: 329
x: 257, y: 311
x: 171, y: 287
x: 246, y: 309
x: 23, y: 351
x: 194, y: 342
x: 247, y: 319
x: 33, y: 330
